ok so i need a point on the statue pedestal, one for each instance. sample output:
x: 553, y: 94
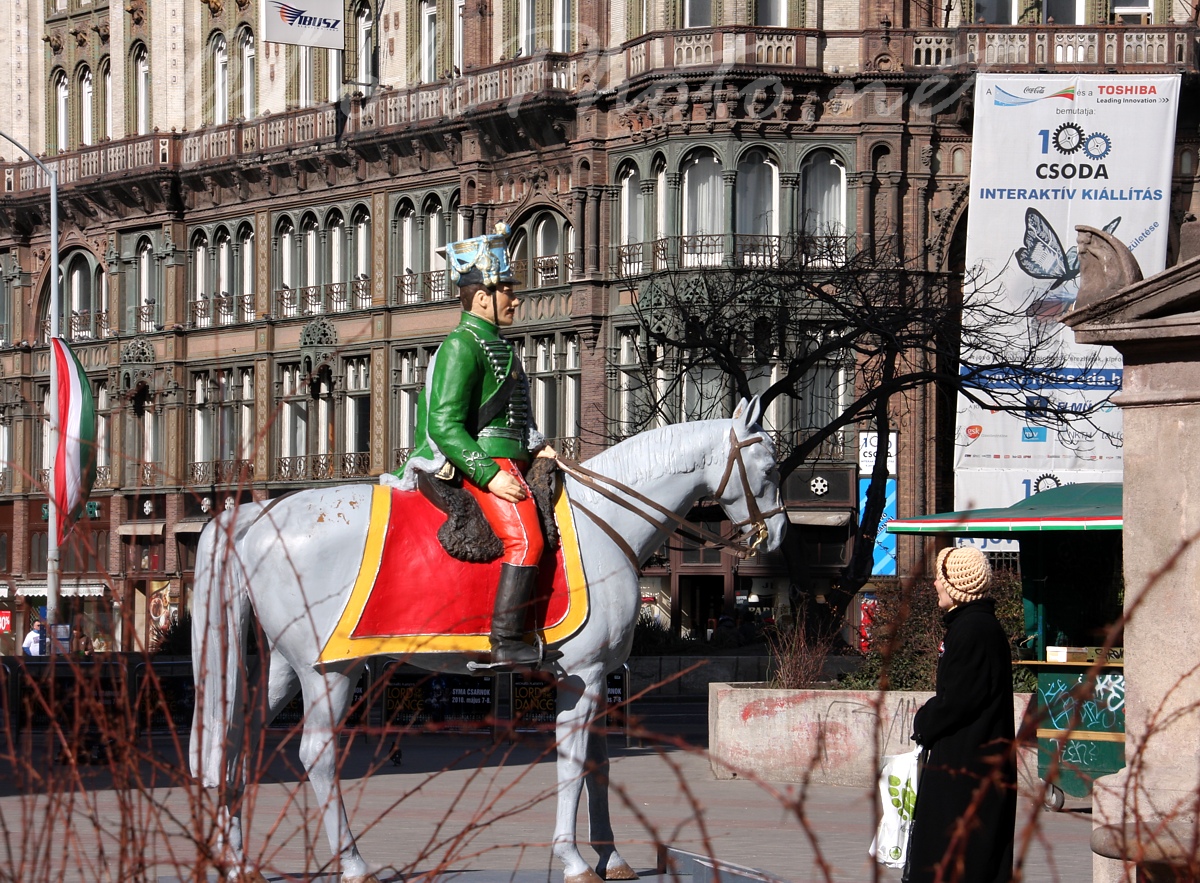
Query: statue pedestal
x: 1147, y: 812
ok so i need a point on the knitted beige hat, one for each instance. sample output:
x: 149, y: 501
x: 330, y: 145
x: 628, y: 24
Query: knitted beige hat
x: 966, y: 572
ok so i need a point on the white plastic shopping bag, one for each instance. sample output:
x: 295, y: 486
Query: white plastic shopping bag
x: 898, y: 787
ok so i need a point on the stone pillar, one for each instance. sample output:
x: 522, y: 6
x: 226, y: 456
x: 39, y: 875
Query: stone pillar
x: 1147, y: 813
x: 580, y: 226
x: 921, y: 190
x: 896, y: 180
x: 729, y: 179
x: 789, y: 187
x: 671, y: 234
x: 649, y: 233
x: 595, y: 197
x: 864, y: 184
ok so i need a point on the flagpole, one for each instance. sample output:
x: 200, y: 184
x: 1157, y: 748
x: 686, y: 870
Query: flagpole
x: 52, y: 552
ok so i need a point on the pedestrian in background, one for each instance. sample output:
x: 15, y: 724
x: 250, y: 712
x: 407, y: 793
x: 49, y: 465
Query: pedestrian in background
x: 965, y: 816
x: 35, y: 641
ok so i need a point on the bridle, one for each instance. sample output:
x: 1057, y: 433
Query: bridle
x: 621, y: 494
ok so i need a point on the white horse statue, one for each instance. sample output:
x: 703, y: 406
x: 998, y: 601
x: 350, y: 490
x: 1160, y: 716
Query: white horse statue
x: 294, y: 567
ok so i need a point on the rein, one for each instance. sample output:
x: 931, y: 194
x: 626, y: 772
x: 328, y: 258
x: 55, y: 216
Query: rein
x: 620, y: 493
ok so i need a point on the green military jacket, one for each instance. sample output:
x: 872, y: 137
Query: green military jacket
x: 468, y: 370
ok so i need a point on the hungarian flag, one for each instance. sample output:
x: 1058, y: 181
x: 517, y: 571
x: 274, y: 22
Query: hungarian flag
x: 75, y: 459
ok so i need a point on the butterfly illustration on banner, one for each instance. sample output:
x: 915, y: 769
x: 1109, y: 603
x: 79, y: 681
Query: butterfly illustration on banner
x: 1042, y: 256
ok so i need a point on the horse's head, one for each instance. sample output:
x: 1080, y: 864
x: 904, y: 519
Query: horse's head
x: 748, y: 489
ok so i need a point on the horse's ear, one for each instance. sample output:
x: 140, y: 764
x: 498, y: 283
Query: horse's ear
x: 748, y: 411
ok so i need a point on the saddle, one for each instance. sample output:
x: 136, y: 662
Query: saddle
x: 466, y: 534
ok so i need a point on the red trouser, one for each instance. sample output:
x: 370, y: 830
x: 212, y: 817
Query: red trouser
x: 516, y: 524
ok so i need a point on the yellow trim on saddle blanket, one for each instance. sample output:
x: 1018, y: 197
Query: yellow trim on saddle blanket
x: 342, y: 644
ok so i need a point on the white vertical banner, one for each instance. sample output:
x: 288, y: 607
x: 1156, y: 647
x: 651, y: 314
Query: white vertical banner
x: 319, y: 23
x: 1050, y: 153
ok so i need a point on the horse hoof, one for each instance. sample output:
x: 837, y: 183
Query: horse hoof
x: 620, y: 871
x: 588, y: 876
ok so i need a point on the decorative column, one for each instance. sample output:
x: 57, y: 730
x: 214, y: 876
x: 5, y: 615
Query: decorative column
x: 593, y: 255
x: 729, y: 178
x: 671, y: 233
x: 789, y: 187
x: 895, y: 179
x: 580, y: 194
x: 649, y: 189
x: 920, y: 185
x: 864, y: 184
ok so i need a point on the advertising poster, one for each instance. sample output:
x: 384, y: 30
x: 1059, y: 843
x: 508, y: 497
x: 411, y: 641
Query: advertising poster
x: 1050, y: 153
x: 305, y: 23
x: 885, y: 543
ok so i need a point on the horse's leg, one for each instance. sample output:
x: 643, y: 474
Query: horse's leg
x: 579, y: 697
x: 610, y: 866
x: 327, y: 697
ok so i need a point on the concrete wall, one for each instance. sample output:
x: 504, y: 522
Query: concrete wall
x: 830, y: 737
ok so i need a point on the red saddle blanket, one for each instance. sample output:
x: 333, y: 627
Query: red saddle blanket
x: 409, y: 596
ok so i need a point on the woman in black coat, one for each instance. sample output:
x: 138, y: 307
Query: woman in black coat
x: 966, y: 810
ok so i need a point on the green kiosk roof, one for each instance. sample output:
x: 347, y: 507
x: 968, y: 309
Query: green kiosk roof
x: 1073, y: 507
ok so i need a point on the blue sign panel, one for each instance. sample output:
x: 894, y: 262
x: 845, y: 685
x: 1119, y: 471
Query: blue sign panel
x: 885, y: 543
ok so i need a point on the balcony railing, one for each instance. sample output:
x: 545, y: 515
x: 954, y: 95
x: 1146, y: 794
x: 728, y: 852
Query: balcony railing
x: 399, y: 455
x: 5, y: 481
x: 567, y: 446
x: 104, y: 477
x: 1073, y: 48
x: 226, y: 472
x: 356, y: 465
x: 750, y: 251
x: 420, y: 288
x: 311, y: 467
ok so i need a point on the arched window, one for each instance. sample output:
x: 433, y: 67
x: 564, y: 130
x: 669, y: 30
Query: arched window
x: 146, y: 304
x: 337, y: 264
x: 703, y: 210
x: 632, y: 216
x: 435, y: 231
x: 79, y: 279
x: 106, y: 98
x: 1186, y: 163
x: 222, y: 283
x: 248, y: 79
x: 365, y: 47
x: 201, y: 288
x: 547, y: 257
x: 87, y: 95
x: 310, y: 265
x: 526, y: 27
x: 429, y: 29
x: 823, y: 201
x: 244, y: 306
x: 333, y: 74
x: 407, y: 289
x: 61, y: 92
x: 285, y: 268
x: 756, y: 209
x: 140, y: 84
x: 306, y: 76
x: 564, y: 26
x: 360, y: 270
x: 459, y: 12
x: 218, y: 54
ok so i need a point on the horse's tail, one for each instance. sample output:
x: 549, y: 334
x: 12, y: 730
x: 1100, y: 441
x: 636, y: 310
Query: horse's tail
x: 220, y: 615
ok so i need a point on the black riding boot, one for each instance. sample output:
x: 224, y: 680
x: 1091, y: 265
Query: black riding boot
x: 514, y: 597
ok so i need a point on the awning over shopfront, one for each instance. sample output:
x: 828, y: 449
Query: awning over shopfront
x: 68, y: 589
x: 823, y: 518
x: 191, y: 526
x: 140, y: 529
x: 1073, y: 507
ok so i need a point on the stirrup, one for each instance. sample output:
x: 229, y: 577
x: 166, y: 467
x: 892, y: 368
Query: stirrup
x: 544, y: 656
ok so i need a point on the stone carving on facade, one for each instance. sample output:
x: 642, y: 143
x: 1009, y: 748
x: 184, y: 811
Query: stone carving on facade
x: 55, y: 41
x: 215, y: 7
x: 137, y: 12
x: 927, y: 156
x: 810, y: 111
x: 1105, y: 266
x: 137, y: 362
x: 101, y: 29
x: 80, y: 35
x: 318, y: 346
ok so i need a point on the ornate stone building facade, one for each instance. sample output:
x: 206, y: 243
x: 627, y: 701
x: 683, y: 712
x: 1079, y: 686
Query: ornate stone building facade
x: 250, y: 232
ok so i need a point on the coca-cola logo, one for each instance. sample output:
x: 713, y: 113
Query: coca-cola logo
x: 974, y: 431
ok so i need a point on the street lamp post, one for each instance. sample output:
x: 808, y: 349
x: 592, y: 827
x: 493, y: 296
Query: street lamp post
x: 52, y: 551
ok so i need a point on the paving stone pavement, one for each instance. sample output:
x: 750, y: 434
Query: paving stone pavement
x: 467, y: 808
